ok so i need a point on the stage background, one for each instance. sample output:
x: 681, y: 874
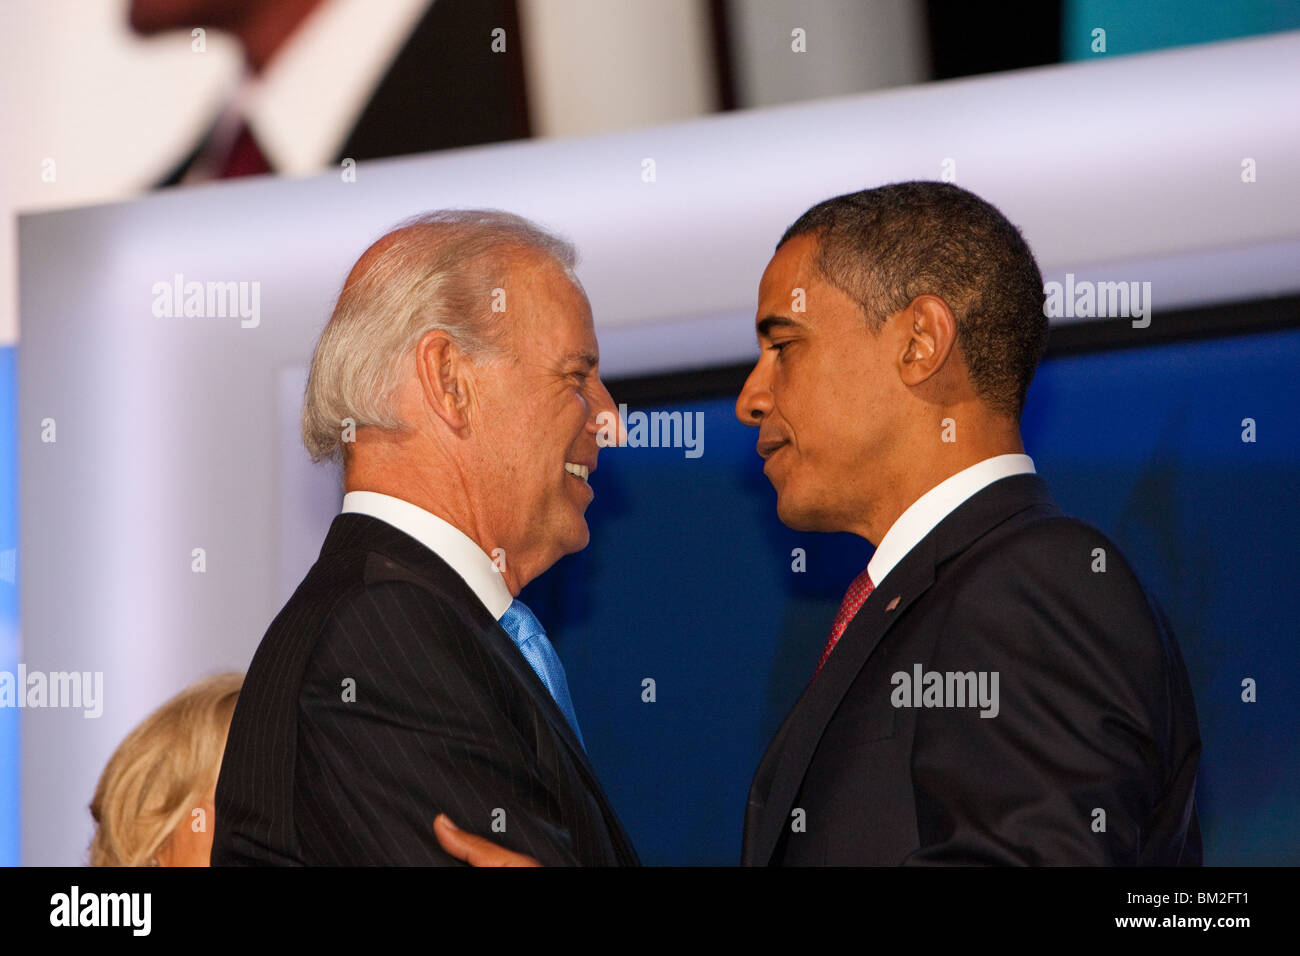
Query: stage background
x: 688, y: 580
x: 178, y: 433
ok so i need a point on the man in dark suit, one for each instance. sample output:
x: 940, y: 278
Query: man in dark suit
x: 458, y: 380
x: 997, y: 687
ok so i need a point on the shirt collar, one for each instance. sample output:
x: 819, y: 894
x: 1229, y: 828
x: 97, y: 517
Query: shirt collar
x: 445, y: 540
x: 302, y: 108
x: 924, y: 514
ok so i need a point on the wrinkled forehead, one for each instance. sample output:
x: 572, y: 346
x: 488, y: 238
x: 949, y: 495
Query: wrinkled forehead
x: 554, y: 305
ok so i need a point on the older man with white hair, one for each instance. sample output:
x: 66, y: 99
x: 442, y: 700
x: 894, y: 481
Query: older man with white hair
x: 458, y: 381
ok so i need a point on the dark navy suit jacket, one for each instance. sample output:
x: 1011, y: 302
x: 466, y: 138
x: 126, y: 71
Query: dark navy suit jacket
x: 1090, y: 759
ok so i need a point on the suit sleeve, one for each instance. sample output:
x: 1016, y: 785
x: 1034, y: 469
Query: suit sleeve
x: 1067, y: 768
x: 402, y: 715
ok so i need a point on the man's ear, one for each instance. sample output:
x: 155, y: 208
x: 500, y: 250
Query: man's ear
x: 444, y: 374
x: 929, y: 339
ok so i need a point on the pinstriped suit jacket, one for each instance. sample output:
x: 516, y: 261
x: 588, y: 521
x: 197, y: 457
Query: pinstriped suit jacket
x: 384, y: 693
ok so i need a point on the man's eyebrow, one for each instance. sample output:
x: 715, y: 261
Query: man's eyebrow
x: 770, y: 322
x: 588, y: 359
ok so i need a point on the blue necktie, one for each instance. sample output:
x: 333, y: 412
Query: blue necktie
x: 527, y: 632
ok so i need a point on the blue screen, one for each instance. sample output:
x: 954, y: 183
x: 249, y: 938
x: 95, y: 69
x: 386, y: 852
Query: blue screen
x: 689, y: 581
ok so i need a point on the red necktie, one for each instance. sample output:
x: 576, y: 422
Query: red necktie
x: 245, y: 157
x: 854, y: 597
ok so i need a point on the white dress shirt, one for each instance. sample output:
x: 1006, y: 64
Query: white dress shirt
x: 303, y: 107
x: 446, y: 541
x: 924, y: 514
x: 306, y: 104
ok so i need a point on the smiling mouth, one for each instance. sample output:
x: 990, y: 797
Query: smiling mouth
x: 578, y: 471
x: 767, y: 449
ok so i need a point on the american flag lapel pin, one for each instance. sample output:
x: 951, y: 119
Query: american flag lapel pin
x: 892, y: 604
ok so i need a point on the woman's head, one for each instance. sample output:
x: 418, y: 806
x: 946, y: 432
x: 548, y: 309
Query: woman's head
x: 160, y: 775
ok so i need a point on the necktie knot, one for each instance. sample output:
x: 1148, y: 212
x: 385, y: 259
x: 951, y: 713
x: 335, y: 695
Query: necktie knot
x: 521, y: 624
x: 854, y: 598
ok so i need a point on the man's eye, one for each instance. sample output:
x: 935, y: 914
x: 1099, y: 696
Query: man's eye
x: 778, y: 346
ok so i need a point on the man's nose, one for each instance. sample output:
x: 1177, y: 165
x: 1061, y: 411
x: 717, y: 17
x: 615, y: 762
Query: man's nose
x: 755, y: 401
x: 605, y: 420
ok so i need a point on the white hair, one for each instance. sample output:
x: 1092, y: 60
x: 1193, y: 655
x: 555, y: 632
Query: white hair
x: 432, y: 272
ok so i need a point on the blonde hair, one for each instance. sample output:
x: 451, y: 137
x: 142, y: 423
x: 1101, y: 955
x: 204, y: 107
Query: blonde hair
x: 163, y: 769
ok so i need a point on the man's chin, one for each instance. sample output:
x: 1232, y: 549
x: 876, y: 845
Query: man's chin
x: 790, y: 517
x: 577, y: 538
x: 796, y: 518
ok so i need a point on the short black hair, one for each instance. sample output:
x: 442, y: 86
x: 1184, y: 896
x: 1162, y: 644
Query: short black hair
x: 888, y: 245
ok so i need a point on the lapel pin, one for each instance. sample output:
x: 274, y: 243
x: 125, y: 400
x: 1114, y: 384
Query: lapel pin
x: 892, y: 604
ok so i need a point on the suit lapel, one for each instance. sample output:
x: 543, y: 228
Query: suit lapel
x: 792, y: 750
x: 781, y: 772
x: 360, y: 531
x: 507, y: 651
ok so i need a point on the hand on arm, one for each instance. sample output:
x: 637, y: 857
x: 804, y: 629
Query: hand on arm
x: 475, y: 850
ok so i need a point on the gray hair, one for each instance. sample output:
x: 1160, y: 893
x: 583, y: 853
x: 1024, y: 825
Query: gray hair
x: 432, y: 272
